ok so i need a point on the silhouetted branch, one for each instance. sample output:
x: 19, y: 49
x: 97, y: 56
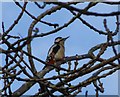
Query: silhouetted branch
x: 41, y: 6
x: 86, y: 13
x: 16, y: 21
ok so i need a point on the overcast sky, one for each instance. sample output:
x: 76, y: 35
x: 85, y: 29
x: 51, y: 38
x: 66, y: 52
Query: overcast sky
x: 80, y: 41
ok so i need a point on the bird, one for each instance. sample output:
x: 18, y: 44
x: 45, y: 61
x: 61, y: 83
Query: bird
x: 56, y: 51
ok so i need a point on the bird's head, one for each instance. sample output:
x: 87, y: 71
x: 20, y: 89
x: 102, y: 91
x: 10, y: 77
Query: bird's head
x: 60, y: 40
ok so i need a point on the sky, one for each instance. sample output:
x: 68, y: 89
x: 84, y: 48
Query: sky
x: 80, y: 41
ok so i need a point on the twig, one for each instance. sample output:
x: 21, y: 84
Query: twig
x: 86, y: 94
x: 33, y: 17
x: 86, y: 13
x: 3, y: 28
x: 92, y: 27
x: 16, y: 21
x: 41, y: 7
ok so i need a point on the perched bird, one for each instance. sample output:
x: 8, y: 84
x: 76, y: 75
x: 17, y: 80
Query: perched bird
x: 56, y: 51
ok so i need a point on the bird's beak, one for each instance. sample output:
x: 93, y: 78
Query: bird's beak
x: 66, y: 38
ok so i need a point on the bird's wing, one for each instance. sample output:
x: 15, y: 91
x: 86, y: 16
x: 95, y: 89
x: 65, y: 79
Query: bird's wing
x: 52, y: 51
x: 56, y: 48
